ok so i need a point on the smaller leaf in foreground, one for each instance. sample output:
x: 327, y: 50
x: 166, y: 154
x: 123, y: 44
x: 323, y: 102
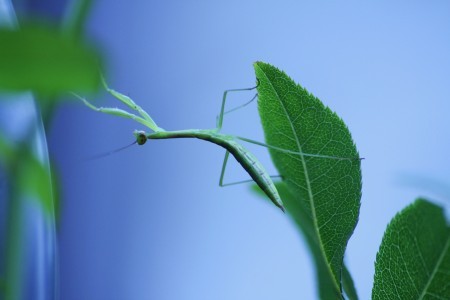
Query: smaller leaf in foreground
x: 413, y: 261
x: 348, y: 285
x: 41, y: 59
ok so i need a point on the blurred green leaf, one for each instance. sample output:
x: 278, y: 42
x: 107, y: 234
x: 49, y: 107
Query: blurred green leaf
x: 325, y: 285
x: 327, y: 191
x: 32, y: 177
x: 35, y: 180
x: 76, y: 16
x: 56, y: 191
x: 6, y: 151
x: 41, y: 59
x: 413, y: 261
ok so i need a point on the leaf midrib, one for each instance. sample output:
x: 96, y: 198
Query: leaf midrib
x: 316, y: 226
x: 436, y: 268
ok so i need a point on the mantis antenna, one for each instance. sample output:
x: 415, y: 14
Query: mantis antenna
x: 108, y: 153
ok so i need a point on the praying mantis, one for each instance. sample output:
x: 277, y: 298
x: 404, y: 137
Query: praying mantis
x: 230, y: 142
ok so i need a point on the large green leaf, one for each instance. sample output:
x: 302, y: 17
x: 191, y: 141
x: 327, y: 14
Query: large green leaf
x: 325, y: 286
x: 414, y: 257
x: 41, y: 59
x: 327, y: 190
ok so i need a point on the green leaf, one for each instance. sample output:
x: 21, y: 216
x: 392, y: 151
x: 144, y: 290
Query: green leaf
x: 294, y: 209
x: 76, y: 16
x: 306, y: 226
x: 7, y: 151
x: 413, y: 261
x: 41, y: 59
x: 34, y: 179
x: 31, y: 176
x: 348, y: 285
x: 327, y: 190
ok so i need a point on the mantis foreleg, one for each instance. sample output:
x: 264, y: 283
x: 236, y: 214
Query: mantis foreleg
x: 114, y: 111
x: 131, y: 104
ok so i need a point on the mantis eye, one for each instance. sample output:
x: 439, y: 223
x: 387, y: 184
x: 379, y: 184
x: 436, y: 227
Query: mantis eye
x: 141, y: 138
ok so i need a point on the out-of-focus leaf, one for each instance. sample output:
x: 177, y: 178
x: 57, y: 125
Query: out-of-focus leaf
x: 327, y: 191
x: 35, y: 180
x: 75, y: 18
x: 6, y: 151
x: 413, y: 261
x: 325, y: 285
x: 41, y: 59
x: 56, y: 191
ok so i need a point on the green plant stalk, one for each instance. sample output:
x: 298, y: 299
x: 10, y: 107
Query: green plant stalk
x: 14, y: 250
x: 29, y: 180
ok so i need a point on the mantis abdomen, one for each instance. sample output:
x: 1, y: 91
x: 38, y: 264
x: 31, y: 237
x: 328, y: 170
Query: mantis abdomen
x: 247, y: 160
x: 256, y: 171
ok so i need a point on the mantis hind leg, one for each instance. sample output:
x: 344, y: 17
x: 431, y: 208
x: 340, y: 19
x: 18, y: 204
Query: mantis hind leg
x: 222, y: 174
x: 296, y: 152
x: 224, y: 98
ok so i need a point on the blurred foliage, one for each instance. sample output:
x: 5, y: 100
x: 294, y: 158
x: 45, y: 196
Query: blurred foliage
x: 6, y: 151
x: 56, y: 192
x: 48, y: 60
x: 75, y: 19
x: 34, y: 180
x: 39, y: 58
x: 32, y: 176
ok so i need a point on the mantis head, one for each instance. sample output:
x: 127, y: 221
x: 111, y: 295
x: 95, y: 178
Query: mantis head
x: 141, y: 137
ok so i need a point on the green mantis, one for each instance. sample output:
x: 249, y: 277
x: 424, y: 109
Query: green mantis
x: 230, y: 142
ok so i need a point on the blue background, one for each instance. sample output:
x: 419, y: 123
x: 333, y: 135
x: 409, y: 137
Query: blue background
x: 152, y: 223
